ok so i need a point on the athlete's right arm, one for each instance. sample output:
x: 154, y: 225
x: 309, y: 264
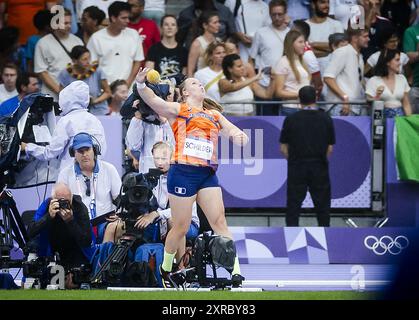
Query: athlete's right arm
x: 169, y: 110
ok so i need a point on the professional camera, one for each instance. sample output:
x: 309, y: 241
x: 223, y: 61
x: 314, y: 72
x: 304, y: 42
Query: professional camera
x: 136, y: 196
x: 81, y: 274
x: 39, y: 268
x: 64, y: 204
x: 161, y: 90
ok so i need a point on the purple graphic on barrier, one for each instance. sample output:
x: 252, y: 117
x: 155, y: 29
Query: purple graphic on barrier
x: 317, y: 245
x: 257, y: 177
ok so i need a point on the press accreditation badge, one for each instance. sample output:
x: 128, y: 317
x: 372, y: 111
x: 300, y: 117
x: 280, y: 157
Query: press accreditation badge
x: 198, y: 148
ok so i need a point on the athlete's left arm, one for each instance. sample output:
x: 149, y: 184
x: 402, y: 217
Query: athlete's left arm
x: 232, y: 132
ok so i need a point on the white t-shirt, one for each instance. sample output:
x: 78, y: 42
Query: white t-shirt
x: 267, y: 48
x: 155, y: 5
x: 291, y: 84
x: 106, y: 189
x: 344, y: 10
x: 50, y: 56
x: 116, y: 54
x: 101, y: 4
x: 310, y: 60
x: 391, y: 99
x: 251, y: 16
x: 205, y: 76
x: 6, y: 95
x: 373, y: 59
x: 346, y: 66
x: 244, y: 94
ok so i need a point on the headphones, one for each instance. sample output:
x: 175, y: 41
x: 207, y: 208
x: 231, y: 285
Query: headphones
x: 96, y: 145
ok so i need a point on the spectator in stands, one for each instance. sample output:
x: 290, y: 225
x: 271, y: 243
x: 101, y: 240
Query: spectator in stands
x: 321, y: 27
x: 268, y: 46
x: 309, y: 57
x: 235, y: 87
x: 73, y: 101
x: 249, y: 16
x: 307, y: 139
x: 117, y: 48
x: 398, y: 12
x: 298, y: 9
x: 167, y: 57
x: 142, y: 135
x: 42, y: 22
x: 345, y: 11
x: 9, y: 74
x: 209, y: 22
x: 9, y: 45
x: 378, y: 27
x: 188, y: 21
x: 291, y: 72
x: 119, y: 92
x: 344, y: 74
x: 232, y: 47
x: 90, y: 73
x: 209, y: 76
x: 52, y: 54
x: 155, y: 10
x: 410, y: 46
x: 26, y: 83
x: 91, y: 21
x: 97, y: 182
x: 62, y: 223
x: 391, y: 42
x: 101, y: 4
x: 20, y: 14
x: 389, y: 86
x: 147, y: 29
x: 337, y: 40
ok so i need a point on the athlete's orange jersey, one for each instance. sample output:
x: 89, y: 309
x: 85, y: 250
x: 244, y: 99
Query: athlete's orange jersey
x: 196, y: 134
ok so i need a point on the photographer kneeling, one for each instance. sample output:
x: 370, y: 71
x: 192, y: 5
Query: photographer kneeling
x: 62, y: 223
x: 160, y: 221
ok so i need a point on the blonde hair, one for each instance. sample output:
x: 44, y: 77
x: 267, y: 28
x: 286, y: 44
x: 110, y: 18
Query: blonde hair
x: 289, y: 52
x: 210, y: 50
x: 207, y: 104
x: 161, y: 144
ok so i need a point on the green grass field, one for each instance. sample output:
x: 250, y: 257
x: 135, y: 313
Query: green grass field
x: 214, y: 295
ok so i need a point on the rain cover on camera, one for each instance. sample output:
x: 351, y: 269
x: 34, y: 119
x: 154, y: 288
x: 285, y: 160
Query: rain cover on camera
x: 223, y: 252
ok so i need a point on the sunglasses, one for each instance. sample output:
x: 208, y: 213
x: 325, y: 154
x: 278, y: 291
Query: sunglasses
x: 359, y: 74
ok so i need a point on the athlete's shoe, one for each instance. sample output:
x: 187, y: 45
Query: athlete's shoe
x: 237, y: 280
x: 173, y: 279
x: 165, y: 278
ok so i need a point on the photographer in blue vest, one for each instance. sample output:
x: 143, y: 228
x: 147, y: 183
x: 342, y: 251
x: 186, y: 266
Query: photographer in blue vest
x: 97, y: 182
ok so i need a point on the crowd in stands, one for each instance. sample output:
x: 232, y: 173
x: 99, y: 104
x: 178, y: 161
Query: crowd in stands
x: 337, y: 46
x: 242, y: 52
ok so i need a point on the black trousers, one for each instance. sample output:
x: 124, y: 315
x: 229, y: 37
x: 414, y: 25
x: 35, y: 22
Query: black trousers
x: 312, y: 176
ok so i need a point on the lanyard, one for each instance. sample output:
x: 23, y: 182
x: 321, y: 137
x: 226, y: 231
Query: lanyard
x: 92, y: 205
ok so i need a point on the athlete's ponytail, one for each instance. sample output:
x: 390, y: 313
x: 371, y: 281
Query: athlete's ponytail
x: 210, y: 104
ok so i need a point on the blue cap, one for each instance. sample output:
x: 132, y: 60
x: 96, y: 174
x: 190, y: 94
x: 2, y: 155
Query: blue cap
x: 82, y: 140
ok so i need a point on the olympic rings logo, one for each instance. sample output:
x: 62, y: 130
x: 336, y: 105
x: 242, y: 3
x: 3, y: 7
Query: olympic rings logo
x: 386, y: 244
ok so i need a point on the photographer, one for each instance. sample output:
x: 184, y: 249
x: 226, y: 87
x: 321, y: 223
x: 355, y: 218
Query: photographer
x: 97, y: 182
x: 62, y: 223
x: 74, y: 100
x: 161, y: 154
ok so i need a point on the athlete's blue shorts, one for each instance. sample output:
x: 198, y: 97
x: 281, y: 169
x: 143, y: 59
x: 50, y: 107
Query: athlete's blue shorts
x: 185, y: 180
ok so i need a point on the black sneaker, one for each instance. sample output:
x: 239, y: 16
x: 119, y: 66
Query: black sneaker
x: 165, y: 278
x: 237, y: 280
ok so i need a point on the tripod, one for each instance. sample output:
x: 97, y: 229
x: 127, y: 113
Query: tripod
x: 113, y: 267
x: 12, y: 229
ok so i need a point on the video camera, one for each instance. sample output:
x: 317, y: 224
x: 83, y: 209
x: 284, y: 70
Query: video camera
x: 161, y: 90
x: 136, y: 197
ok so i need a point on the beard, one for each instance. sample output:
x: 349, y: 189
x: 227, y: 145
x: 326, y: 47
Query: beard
x: 321, y: 14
